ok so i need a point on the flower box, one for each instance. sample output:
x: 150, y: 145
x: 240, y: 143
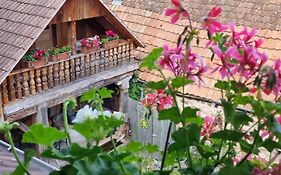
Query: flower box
x: 87, y: 50
x: 35, y: 64
x: 110, y: 44
x: 60, y: 57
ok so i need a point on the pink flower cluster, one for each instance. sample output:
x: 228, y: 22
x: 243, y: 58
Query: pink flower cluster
x: 176, y: 12
x: 158, y: 99
x: 174, y: 59
x: 90, y: 42
x: 241, y: 55
x: 110, y: 33
x: 38, y: 53
x: 210, y: 126
x: 275, y: 170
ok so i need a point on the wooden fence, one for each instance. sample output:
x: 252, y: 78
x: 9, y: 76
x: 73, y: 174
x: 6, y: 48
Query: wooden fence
x: 156, y: 131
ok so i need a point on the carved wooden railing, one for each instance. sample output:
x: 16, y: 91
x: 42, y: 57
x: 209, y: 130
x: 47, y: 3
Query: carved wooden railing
x: 27, y: 82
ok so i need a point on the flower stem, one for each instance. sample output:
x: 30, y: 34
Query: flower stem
x: 115, y: 152
x: 65, y: 119
x: 166, y: 146
x: 10, y: 140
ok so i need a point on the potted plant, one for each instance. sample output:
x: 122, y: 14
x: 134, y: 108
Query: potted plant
x: 59, y: 54
x: 110, y: 39
x: 91, y: 44
x: 34, y: 58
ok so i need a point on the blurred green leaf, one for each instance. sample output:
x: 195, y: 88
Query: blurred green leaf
x: 157, y: 85
x: 180, y: 82
x: 105, y: 93
x: 28, y: 154
x: 241, y: 118
x: 149, y: 60
x: 89, y: 95
x: 39, y: 134
x: 227, y: 135
x: 171, y: 114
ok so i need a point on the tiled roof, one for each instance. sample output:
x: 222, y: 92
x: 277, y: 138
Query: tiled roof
x: 21, y: 22
x: 145, y: 18
x: 8, y: 162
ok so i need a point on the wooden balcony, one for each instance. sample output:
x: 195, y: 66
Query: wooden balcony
x: 25, y: 83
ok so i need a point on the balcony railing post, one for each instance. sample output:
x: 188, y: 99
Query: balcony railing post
x: 44, y: 79
x: 87, y: 65
x: 102, y: 60
x: 132, y: 51
x: 115, y: 56
x: 67, y: 71
x: 12, y: 91
x: 92, y: 63
x: 56, y: 74
x: 127, y: 53
x: 82, y: 66
x: 119, y: 57
x: 38, y: 80
x: 61, y: 72
x: 72, y: 69
x: 77, y: 68
x: 50, y: 76
x: 32, y: 86
x: 19, y: 86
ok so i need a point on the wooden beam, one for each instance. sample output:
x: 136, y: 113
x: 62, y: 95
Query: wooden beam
x: 20, y: 114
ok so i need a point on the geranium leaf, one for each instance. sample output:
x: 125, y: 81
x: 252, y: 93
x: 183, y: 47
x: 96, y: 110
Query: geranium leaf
x: 149, y: 60
x: 171, y: 114
x: 180, y: 82
x: 105, y: 93
x: 88, y: 96
x: 39, y: 134
x: 157, y: 85
x: 228, y: 135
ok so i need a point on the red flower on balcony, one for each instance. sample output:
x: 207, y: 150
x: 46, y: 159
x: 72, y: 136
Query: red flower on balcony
x: 110, y: 33
x: 38, y: 54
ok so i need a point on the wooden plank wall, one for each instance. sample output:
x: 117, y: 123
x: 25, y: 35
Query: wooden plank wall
x: 74, y: 10
x: 156, y: 131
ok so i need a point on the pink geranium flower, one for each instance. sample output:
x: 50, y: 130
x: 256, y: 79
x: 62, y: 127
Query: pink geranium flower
x: 158, y: 99
x: 211, y: 24
x: 177, y: 12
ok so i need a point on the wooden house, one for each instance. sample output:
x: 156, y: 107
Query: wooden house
x: 30, y: 94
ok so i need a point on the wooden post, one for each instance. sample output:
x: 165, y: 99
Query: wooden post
x: 87, y: 65
x: 115, y: 56
x: 92, y: 63
x: 38, y: 80
x: 56, y: 74
x: 67, y: 71
x: 72, y: 69
x: 19, y: 86
x: 50, y: 76
x: 44, y: 79
x: 77, y: 68
x: 82, y: 66
x: 31, y: 82
x: 61, y: 74
x: 124, y: 95
x: 12, y: 91
x: 73, y: 37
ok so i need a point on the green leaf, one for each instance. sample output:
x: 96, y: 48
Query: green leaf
x: 103, y: 165
x: 28, y: 154
x: 151, y: 148
x: 68, y: 169
x: 234, y: 171
x: 270, y: 145
x: 190, y: 116
x: 228, y: 110
x: 171, y: 114
x: 149, y: 61
x: 97, y: 128
x: 185, y: 137
x: 39, y: 134
x: 227, y: 135
x: 71, y: 153
x: 88, y: 96
x: 222, y: 85
x: 180, y: 82
x: 245, y: 146
x: 105, y: 93
x: 71, y: 103
x: 241, y: 118
x: 157, y: 85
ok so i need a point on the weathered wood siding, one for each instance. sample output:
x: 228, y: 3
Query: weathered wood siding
x: 74, y: 10
x: 156, y: 131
